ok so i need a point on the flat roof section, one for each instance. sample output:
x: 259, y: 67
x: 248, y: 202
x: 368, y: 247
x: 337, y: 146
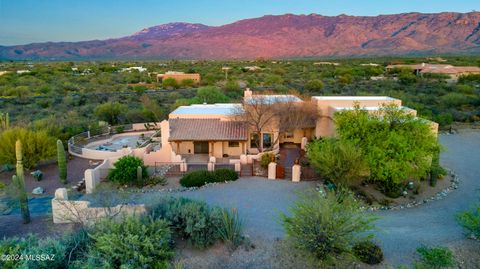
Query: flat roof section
x: 204, y: 109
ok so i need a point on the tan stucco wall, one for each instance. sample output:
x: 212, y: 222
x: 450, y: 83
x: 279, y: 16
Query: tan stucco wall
x: 233, y: 151
x: 183, y: 147
x: 216, y: 149
x: 325, y: 125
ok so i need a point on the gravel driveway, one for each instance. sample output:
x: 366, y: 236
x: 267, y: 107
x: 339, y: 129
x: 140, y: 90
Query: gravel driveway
x: 434, y: 223
x: 259, y: 202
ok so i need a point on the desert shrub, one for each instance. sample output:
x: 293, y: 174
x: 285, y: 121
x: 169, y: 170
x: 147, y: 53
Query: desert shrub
x: 196, y: 178
x: 470, y: 220
x: 57, y: 253
x: 222, y: 175
x: 231, y: 229
x: 202, y: 177
x: 125, y: 171
x: 192, y: 220
x: 133, y: 242
x: 266, y: 159
x: 368, y: 252
x: 37, y: 146
x: 338, y: 161
x: 326, y: 226
x: 156, y: 180
x: 435, y: 258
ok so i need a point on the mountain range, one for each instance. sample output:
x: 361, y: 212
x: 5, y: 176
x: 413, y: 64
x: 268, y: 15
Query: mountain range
x: 281, y: 36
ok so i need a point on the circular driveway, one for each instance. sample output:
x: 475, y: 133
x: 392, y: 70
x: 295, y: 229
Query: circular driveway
x: 401, y: 232
x: 259, y: 202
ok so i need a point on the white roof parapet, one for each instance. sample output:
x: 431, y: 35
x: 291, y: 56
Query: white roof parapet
x: 354, y: 98
x: 208, y: 109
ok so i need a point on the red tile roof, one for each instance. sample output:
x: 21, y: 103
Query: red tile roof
x: 207, y: 130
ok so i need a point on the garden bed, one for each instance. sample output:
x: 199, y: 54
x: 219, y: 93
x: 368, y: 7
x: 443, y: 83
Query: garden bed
x: 378, y: 200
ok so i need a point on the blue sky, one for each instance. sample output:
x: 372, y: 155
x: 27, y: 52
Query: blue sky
x: 26, y: 21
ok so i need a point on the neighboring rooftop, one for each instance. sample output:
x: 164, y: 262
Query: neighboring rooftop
x: 207, y: 130
x: 354, y: 98
x: 207, y: 109
x: 272, y: 99
x: 370, y: 108
x: 438, y: 68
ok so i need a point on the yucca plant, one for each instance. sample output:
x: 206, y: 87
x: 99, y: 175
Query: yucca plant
x: 19, y: 182
x: 231, y: 227
x: 62, y: 162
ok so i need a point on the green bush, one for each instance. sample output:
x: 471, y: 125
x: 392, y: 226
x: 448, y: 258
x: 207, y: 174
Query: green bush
x: 266, y: 159
x: 222, y: 175
x: 202, y: 177
x: 125, y: 171
x: 435, y: 257
x: 134, y: 242
x: 326, y: 226
x: 368, y: 252
x: 338, y: 161
x: 196, y: 178
x: 61, y: 252
x: 193, y: 220
x: 37, y: 146
x: 470, y: 220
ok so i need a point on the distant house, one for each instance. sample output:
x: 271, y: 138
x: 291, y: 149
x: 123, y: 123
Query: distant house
x: 251, y: 68
x: 23, y: 71
x: 454, y: 72
x: 326, y: 63
x: 179, y: 76
x: 370, y: 64
x: 134, y: 68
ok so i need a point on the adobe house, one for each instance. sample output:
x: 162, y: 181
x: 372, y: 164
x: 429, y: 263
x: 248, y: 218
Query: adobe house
x: 454, y: 72
x: 219, y: 130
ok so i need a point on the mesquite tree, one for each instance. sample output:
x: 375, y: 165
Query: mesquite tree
x: 19, y: 182
x: 62, y: 162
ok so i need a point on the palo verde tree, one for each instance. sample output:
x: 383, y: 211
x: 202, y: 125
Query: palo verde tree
x: 62, y: 162
x: 339, y: 161
x: 397, y: 146
x: 18, y: 181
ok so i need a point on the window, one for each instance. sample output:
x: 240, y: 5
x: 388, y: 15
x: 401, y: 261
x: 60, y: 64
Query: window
x: 233, y: 144
x: 267, y: 141
x: 288, y: 135
x: 254, y: 140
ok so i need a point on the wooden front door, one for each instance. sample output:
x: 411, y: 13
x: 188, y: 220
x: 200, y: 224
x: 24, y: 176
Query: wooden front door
x: 200, y: 147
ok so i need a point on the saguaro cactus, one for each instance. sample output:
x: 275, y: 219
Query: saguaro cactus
x: 62, y: 162
x: 19, y: 181
x: 5, y: 121
x: 139, y: 175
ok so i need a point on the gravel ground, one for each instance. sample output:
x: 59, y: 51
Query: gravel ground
x: 259, y: 202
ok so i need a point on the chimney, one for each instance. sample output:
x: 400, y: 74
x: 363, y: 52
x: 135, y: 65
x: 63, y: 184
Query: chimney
x: 247, y: 93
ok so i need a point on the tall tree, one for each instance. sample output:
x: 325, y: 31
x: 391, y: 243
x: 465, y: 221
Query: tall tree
x: 397, y: 145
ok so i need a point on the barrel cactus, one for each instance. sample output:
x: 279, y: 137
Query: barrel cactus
x: 62, y: 162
